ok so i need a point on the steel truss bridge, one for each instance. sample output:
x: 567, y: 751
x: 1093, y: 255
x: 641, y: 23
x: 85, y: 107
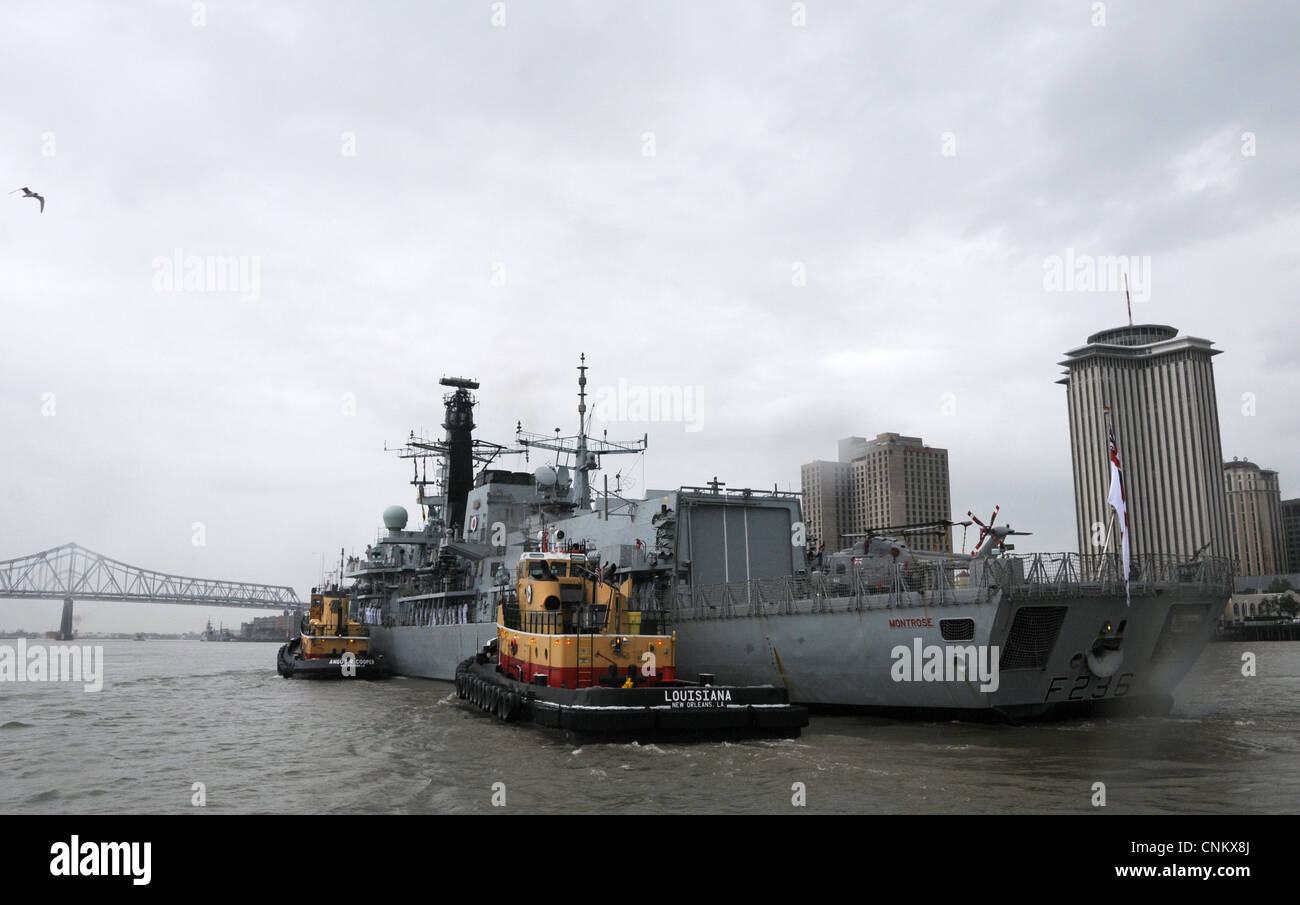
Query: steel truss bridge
x: 73, y: 572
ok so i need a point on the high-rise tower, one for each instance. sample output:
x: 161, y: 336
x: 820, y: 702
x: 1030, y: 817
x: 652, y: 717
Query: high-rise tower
x: 891, y: 480
x: 1159, y: 387
x: 1254, y: 518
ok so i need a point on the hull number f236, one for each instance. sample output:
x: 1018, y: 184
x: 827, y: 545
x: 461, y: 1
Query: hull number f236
x: 1088, y: 688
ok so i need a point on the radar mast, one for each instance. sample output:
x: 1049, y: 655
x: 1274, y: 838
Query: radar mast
x: 586, y: 451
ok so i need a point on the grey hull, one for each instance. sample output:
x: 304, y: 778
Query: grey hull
x: 431, y: 651
x: 827, y: 652
x: 855, y: 658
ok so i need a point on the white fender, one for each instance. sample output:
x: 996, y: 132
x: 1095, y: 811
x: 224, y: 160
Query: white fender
x: 1106, y: 663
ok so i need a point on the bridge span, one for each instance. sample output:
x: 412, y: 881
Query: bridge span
x: 72, y: 572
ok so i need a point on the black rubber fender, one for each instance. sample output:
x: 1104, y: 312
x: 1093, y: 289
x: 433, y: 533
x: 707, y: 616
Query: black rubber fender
x: 512, y: 705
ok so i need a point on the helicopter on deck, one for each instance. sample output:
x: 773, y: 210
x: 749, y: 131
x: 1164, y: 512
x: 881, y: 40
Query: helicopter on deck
x: 888, y: 545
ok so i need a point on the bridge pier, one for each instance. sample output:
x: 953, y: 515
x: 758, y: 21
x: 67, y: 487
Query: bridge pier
x: 65, y: 624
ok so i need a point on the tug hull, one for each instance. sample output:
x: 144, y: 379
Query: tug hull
x: 290, y: 664
x: 676, y: 711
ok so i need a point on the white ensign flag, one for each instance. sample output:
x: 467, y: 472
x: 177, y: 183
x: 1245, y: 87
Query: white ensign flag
x: 1119, y: 502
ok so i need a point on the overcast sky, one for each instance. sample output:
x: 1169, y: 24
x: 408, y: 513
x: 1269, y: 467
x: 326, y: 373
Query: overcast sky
x: 820, y: 228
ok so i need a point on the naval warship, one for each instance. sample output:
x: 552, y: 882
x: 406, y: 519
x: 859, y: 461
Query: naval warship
x: 730, y: 572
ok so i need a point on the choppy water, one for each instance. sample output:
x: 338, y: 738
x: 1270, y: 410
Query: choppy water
x: 173, y: 713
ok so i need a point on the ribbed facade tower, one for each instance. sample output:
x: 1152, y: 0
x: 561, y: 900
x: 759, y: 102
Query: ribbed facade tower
x: 1160, y: 390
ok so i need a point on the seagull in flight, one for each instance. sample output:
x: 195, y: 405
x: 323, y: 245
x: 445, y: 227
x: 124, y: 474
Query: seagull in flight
x: 28, y: 193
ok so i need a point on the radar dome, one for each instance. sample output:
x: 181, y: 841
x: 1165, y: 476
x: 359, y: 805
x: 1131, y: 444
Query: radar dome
x: 394, y: 518
x: 545, y: 476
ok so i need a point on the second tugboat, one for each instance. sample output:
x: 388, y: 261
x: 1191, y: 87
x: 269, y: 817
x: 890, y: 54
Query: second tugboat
x: 332, y: 645
x: 570, y: 655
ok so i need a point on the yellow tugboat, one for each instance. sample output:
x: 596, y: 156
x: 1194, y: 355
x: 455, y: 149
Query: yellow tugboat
x: 570, y: 655
x: 332, y: 645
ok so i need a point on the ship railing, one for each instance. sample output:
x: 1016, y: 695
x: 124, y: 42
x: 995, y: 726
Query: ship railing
x: 416, y: 612
x: 539, y: 623
x: 879, y: 586
x: 589, y: 620
x: 510, y: 615
x: 647, y: 597
x: 1045, y: 575
x: 743, y: 493
x: 1019, y: 576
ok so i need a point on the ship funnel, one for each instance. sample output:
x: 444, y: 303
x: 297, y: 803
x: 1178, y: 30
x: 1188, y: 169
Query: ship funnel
x: 459, y: 424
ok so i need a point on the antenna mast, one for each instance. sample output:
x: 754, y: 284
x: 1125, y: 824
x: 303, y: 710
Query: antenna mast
x: 586, y: 451
x: 1128, y: 299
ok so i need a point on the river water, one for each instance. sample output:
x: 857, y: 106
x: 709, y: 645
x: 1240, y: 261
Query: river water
x: 172, y: 714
